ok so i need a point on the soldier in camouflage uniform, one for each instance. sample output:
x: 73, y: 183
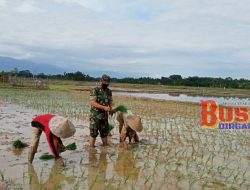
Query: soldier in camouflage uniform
x: 101, y: 102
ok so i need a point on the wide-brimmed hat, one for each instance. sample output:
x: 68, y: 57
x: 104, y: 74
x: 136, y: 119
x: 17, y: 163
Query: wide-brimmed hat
x: 61, y: 127
x: 105, y: 79
x: 134, y: 122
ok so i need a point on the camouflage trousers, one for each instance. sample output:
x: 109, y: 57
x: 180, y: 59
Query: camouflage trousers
x: 99, y: 126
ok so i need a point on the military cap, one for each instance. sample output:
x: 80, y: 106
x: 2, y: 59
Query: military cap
x: 105, y: 79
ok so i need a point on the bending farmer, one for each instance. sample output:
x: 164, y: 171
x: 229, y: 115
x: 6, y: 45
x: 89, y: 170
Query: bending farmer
x: 129, y: 124
x: 55, y: 127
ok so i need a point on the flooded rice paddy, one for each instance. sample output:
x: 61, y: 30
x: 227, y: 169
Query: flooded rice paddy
x: 174, y: 152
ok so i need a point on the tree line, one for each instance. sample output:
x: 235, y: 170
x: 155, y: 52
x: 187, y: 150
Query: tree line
x: 172, y: 80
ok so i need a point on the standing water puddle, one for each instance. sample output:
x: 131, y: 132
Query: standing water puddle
x: 230, y: 101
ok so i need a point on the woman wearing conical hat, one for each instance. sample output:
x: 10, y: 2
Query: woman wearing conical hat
x: 55, y: 127
x: 129, y: 125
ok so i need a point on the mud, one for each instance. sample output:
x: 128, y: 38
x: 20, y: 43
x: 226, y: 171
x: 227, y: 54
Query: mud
x: 174, y: 152
x: 81, y: 163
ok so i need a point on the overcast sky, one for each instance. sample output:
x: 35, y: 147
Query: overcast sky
x: 147, y: 37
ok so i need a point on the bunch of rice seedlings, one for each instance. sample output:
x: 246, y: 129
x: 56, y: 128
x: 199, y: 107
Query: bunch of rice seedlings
x: 71, y: 146
x: 120, y: 108
x: 19, y: 144
x: 46, y: 156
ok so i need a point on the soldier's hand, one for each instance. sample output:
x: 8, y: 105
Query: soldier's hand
x: 107, y: 108
x: 112, y: 111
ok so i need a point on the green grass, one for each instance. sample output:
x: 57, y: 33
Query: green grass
x: 203, y: 91
x: 64, y: 87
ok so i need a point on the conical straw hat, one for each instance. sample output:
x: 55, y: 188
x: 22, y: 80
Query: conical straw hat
x: 61, y: 127
x: 134, y: 122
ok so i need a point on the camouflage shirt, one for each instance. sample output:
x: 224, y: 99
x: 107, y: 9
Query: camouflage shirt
x: 102, y: 97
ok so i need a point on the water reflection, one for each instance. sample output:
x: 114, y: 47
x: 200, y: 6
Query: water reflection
x: 17, y: 151
x: 97, y: 169
x: 230, y: 101
x: 55, y: 179
x: 125, y: 165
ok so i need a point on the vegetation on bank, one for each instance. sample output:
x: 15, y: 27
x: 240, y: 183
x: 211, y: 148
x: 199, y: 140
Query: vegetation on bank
x: 172, y: 80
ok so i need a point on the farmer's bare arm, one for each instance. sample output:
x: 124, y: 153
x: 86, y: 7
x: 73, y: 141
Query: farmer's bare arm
x: 119, y: 118
x: 123, y: 137
x: 123, y: 134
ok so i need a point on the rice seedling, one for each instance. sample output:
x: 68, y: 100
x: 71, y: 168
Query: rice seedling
x: 30, y: 180
x: 174, y: 150
x: 73, y: 170
x: 82, y: 174
x: 77, y: 185
x: 147, y: 179
x: 46, y: 156
x: 12, y: 184
x: 126, y: 179
x: 119, y: 185
x: 2, y: 174
x: 19, y: 144
x: 132, y: 186
x: 120, y: 108
x: 81, y: 161
x: 71, y: 146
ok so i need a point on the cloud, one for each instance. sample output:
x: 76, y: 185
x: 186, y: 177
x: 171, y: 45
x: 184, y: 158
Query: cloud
x: 2, y: 3
x: 27, y: 7
x: 94, y: 5
x: 157, y: 38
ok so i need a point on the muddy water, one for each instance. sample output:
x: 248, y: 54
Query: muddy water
x: 230, y: 101
x: 174, y: 153
x: 84, y: 168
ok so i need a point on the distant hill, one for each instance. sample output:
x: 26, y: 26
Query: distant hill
x: 8, y: 64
